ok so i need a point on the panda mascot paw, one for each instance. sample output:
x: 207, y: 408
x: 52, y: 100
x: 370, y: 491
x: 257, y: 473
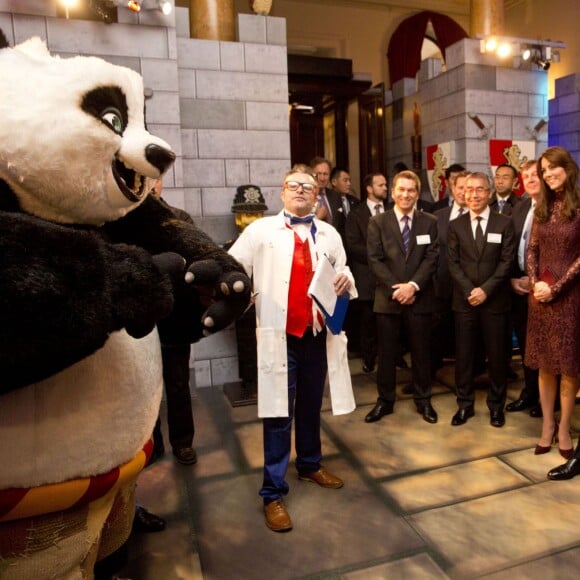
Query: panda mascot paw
x: 93, y: 269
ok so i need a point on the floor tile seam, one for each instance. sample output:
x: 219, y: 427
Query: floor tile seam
x: 514, y: 564
x: 443, y: 563
x: 459, y: 462
x: 502, y: 457
x: 338, y: 573
x: 370, y: 482
x: 467, y: 499
x: 188, y: 511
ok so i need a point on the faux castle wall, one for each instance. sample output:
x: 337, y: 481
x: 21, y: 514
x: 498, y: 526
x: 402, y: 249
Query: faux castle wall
x: 508, y: 101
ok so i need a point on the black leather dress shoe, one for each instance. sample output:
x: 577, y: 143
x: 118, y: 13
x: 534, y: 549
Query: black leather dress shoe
x: 462, y: 415
x: 401, y: 363
x: 536, y: 411
x: 496, y: 418
x: 185, y: 455
x: 428, y: 412
x: 368, y: 367
x: 379, y: 410
x: 567, y: 471
x: 520, y: 405
x: 145, y: 521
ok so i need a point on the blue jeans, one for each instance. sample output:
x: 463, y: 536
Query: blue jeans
x: 307, y: 368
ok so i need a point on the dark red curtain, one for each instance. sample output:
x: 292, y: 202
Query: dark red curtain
x: 404, y: 52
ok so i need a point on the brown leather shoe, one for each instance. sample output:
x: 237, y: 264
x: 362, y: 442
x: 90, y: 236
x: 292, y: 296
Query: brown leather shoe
x: 277, y: 518
x: 323, y: 478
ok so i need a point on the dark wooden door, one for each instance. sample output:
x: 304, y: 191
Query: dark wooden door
x: 372, y: 149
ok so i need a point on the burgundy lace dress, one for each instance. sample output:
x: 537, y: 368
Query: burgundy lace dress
x: 553, y: 339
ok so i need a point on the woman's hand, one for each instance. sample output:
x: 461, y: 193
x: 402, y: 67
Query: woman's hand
x: 542, y: 292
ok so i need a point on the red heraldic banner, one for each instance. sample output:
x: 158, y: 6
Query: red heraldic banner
x: 514, y: 153
x: 439, y: 157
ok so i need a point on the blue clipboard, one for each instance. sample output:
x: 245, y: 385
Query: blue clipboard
x: 335, y: 321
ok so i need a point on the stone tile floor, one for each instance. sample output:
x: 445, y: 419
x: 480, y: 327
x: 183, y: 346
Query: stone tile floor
x: 420, y: 501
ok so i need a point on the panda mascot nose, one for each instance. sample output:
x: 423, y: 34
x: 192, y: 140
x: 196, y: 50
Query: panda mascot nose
x: 159, y: 157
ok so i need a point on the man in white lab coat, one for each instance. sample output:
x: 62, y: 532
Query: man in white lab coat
x: 295, y: 351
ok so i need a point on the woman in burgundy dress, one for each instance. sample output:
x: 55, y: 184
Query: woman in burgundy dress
x: 553, y: 340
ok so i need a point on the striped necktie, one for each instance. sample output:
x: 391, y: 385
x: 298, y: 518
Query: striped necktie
x: 406, y: 233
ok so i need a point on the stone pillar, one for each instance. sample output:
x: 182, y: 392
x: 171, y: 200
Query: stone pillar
x: 212, y: 19
x: 486, y: 17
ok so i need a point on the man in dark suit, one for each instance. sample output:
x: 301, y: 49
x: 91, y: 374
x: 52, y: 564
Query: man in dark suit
x: 450, y: 174
x: 504, y: 200
x: 403, y: 248
x: 357, y: 222
x: 481, y: 249
x: 522, y: 217
x: 321, y: 169
x: 443, y: 336
x: 340, y: 199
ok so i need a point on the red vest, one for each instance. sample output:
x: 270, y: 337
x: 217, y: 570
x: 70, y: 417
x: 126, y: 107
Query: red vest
x: 299, y: 304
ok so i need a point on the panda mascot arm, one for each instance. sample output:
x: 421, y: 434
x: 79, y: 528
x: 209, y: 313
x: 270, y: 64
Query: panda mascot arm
x: 214, y: 278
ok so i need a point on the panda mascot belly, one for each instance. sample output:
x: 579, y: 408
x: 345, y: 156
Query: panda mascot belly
x: 98, y: 427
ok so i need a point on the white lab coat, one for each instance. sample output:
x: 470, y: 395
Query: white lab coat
x: 265, y: 250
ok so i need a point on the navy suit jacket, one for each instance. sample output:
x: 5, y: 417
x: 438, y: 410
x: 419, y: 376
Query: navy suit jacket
x: 443, y: 281
x: 390, y: 265
x: 512, y: 201
x: 338, y: 215
x: 489, y: 271
x: 519, y: 218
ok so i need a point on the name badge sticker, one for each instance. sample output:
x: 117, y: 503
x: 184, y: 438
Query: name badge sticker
x: 494, y: 238
x: 423, y: 240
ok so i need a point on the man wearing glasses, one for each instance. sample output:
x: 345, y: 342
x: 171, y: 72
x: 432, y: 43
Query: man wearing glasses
x: 295, y: 350
x: 481, y: 247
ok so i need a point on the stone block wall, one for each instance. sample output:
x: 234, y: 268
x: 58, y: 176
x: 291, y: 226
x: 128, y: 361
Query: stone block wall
x: 223, y: 107
x: 508, y: 101
x: 564, y: 126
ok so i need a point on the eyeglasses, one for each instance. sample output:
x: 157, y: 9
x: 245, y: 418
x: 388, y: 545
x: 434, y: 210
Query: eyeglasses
x: 294, y: 185
x: 476, y: 189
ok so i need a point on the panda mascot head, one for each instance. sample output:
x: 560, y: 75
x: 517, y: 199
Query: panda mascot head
x: 73, y: 144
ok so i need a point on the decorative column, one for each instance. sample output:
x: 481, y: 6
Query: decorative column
x: 212, y: 19
x: 487, y: 17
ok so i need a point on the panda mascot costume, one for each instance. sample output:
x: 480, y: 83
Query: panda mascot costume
x: 92, y: 270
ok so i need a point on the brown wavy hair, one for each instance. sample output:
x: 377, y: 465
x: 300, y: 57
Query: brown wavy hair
x: 559, y: 157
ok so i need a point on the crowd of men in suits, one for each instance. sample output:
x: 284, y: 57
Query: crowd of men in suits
x: 438, y: 280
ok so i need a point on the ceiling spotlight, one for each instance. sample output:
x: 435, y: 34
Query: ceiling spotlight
x: 543, y: 64
x: 526, y: 54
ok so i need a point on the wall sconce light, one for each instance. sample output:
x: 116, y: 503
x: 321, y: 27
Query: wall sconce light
x: 67, y: 4
x: 483, y: 128
x: 535, y: 130
x: 503, y: 48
